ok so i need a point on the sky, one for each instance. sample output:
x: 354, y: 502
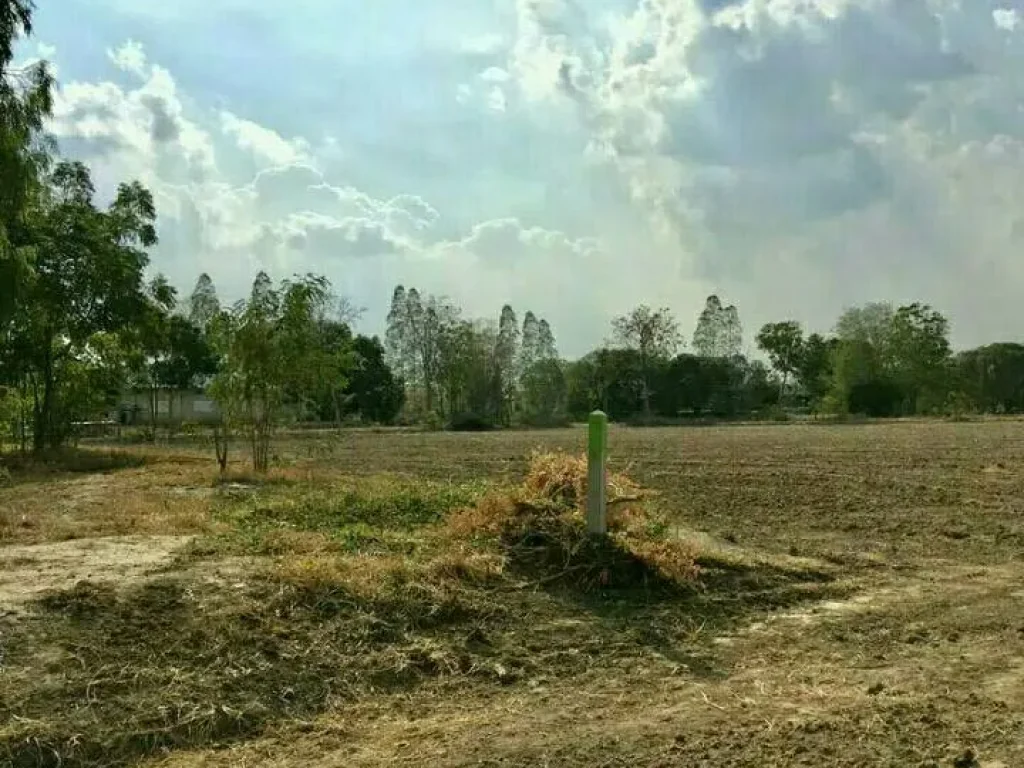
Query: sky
x: 571, y: 157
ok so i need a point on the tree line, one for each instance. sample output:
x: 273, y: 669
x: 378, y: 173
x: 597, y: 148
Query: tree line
x: 879, y: 361
x: 473, y: 373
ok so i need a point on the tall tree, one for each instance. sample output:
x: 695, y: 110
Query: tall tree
x: 420, y: 339
x: 506, y: 355
x: 440, y: 319
x: 732, y: 332
x: 890, y: 361
x: 203, y: 304
x: 469, y: 374
x: 718, y: 332
x: 373, y: 390
x: 529, y: 351
x: 993, y: 377
x: 332, y: 359
x: 923, y: 358
x: 87, y: 279
x: 396, y: 337
x: 26, y: 100
x: 784, y: 344
x: 814, y: 367
x: 546, y: 347
x: 545, y: 393
x: 416, y: 326
x: 654, y: 335
x: 273, y: 354
x: 149, y: 340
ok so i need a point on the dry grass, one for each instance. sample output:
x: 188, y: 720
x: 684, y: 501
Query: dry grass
x: 417, y: 599
x: 541, y: 529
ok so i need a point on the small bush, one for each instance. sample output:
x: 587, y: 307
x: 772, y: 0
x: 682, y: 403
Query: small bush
x: 776, y: 413
x: 469, y: 422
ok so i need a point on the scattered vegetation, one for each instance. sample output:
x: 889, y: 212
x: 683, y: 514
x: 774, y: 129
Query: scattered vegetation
x: 359, y: 587
x: 309, y: 593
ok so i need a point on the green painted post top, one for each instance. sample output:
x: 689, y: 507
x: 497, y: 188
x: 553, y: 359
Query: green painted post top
x: 597, y: 441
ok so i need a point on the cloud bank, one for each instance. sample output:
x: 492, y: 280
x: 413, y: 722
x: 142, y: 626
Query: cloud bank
x: 578, y: 158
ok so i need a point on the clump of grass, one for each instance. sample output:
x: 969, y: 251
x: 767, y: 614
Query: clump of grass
x: 73, y: 460
x: 283, y: 541
x: 540, y: 527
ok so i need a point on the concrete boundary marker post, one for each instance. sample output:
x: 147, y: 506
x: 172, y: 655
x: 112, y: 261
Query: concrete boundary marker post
x: 597, y: 477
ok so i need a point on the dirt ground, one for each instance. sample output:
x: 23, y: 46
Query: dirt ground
x: 863, y: 606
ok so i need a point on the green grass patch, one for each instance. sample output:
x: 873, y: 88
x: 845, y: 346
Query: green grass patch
x: 359, y: 515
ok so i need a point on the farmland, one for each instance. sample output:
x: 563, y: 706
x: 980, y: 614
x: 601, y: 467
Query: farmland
x: 860, y: 602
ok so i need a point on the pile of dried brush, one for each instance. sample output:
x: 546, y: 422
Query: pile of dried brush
x: 540, y: 528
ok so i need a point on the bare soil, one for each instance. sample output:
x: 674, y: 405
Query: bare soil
x: 862, y: 605
x: 29, y: 572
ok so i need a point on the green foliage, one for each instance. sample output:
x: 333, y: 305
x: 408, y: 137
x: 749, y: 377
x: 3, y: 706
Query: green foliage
x: 544, y: 394
x: 686, y: 385
x: 654, y: 336
x: 891, y: 362
x: 784, y: 344
x: 26, y: 99
x: 373, y: 390
x: 471, y: 382
x: 506, y: 353
x: 351, y: 512
x: 79, y: 324
x: 991, y: 378
x: 606, y: 379
x: 85, y: 282
x: 814, y: 367
x: 274, y: 355
x: 459, y: 370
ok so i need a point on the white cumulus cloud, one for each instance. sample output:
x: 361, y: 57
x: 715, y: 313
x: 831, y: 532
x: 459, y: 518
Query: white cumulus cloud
x: 805, y: 156
x: 265, y: 144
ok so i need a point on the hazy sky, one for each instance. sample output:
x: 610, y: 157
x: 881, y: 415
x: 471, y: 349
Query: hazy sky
x: 574, y: 157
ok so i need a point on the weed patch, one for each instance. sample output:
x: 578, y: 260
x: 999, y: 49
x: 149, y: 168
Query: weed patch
x: 365, y: 515
x: 352, y: 589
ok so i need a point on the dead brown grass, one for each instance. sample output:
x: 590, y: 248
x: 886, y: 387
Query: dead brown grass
x: 541, y: 527
x: 116, y: 504
x: 332, y: 620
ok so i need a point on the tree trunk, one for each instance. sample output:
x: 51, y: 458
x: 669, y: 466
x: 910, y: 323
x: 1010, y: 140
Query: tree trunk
x: 221, y: 437
x: 153, y: 395
x: 23, y: 416
x: 43, y: 433
x: 172, y: 428
x: 646, y: 394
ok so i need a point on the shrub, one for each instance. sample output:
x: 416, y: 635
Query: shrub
x: 469, y: 422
